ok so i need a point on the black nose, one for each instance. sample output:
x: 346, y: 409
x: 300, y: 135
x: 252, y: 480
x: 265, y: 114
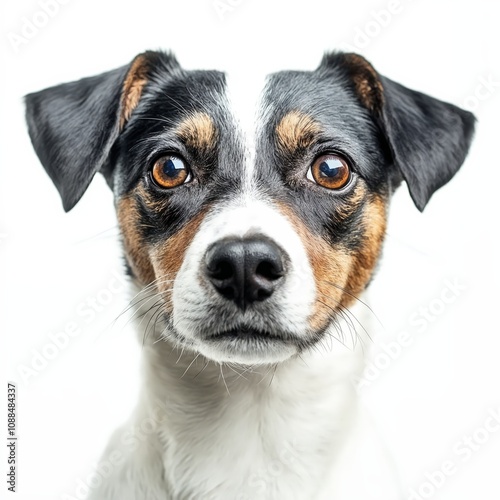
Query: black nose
x: 245, y: 270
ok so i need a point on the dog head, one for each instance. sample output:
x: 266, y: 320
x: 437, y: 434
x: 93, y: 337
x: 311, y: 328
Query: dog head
x: 256, y: 237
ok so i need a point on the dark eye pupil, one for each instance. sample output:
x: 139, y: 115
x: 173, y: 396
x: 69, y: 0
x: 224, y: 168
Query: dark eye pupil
x: 331, y: 168
x: 172, y: 167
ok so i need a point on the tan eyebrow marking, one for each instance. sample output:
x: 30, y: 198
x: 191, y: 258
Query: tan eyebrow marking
x: 198, y: 131
x: 296, y: 130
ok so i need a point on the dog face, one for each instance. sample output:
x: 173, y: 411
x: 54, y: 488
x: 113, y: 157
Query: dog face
x: 256, y: 237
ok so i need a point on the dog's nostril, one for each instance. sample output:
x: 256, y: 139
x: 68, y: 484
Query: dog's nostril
x: 269, y: 270
x: 245, y: 270
x: 221, y: 270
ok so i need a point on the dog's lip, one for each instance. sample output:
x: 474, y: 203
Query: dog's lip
x: 249, y: 334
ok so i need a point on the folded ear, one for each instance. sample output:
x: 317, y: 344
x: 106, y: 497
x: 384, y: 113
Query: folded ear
x: 428, y: 138
x: 74, y: 125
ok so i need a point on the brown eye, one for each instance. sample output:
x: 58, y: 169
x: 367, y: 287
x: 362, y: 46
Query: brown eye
x: 330, y: 171
x: 170, y: 171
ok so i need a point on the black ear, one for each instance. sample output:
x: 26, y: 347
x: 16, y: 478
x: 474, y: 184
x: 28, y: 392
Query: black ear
x: 428, y: 138
x: 74, y: 125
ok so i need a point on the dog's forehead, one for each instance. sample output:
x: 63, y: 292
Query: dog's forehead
x: 258, y: 99
x: 249, y: 104
x: 251, y: 99
x: 244, y: 93
x: 252, y: 108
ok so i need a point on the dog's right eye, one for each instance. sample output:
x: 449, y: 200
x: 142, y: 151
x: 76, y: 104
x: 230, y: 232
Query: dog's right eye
x: 170, y: 171
x: 330, y: 171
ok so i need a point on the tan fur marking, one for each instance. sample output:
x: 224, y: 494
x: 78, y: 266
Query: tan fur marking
x: 296, y: 131
x: 161, y: 261
x: 135, y: 250
x: 367, y: 83
x: 365, y: 260
x: 352, y: 202
x: 167, y: 258
x: 157, y: 205
x: 198, y: 131
x: 341, y: 275
x: 329, y: 265
x: 133, y: 86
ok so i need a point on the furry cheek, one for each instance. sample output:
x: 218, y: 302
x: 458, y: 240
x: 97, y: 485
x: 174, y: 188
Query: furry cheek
x: 159, y: 262
x: 341, y: 274
x: 136, y: 251
x: 168, y: 256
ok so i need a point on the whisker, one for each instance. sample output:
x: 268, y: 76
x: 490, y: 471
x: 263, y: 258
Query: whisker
x: 139, y: 313
x: 302, y: 359
x: 224, y: 380
x: 274, y: 373
x: 144, y: 314
x: 180, y: 355
x: 240, y: 374
x: 155, y: 315
x: 201, y: 371
x: 346, y: 319
x: 267, y: 373
x: 190, y: 364
x: 346, y: 313
x: 342, y: 289
x: 131, y: 303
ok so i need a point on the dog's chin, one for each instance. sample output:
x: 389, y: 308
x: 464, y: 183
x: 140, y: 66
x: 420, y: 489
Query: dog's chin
x: 246, y: 346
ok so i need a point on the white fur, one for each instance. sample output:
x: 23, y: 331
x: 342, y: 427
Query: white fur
x: 244, y: 92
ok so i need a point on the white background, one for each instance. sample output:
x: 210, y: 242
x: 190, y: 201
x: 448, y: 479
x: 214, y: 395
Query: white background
x: 437, y: 390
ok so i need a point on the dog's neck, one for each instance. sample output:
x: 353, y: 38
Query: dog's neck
x: 247, y: 430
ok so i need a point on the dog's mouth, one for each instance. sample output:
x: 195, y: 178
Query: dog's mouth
x: 243, y: 344
x: 245, y: 334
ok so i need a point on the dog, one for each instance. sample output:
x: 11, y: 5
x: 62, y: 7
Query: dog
x: 252, y: 221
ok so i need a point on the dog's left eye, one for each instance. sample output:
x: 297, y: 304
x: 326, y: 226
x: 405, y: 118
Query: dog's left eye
x: 330, y: 171
x: 170, y: 171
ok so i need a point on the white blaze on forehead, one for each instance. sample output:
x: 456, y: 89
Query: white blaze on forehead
x: 244, y: 92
